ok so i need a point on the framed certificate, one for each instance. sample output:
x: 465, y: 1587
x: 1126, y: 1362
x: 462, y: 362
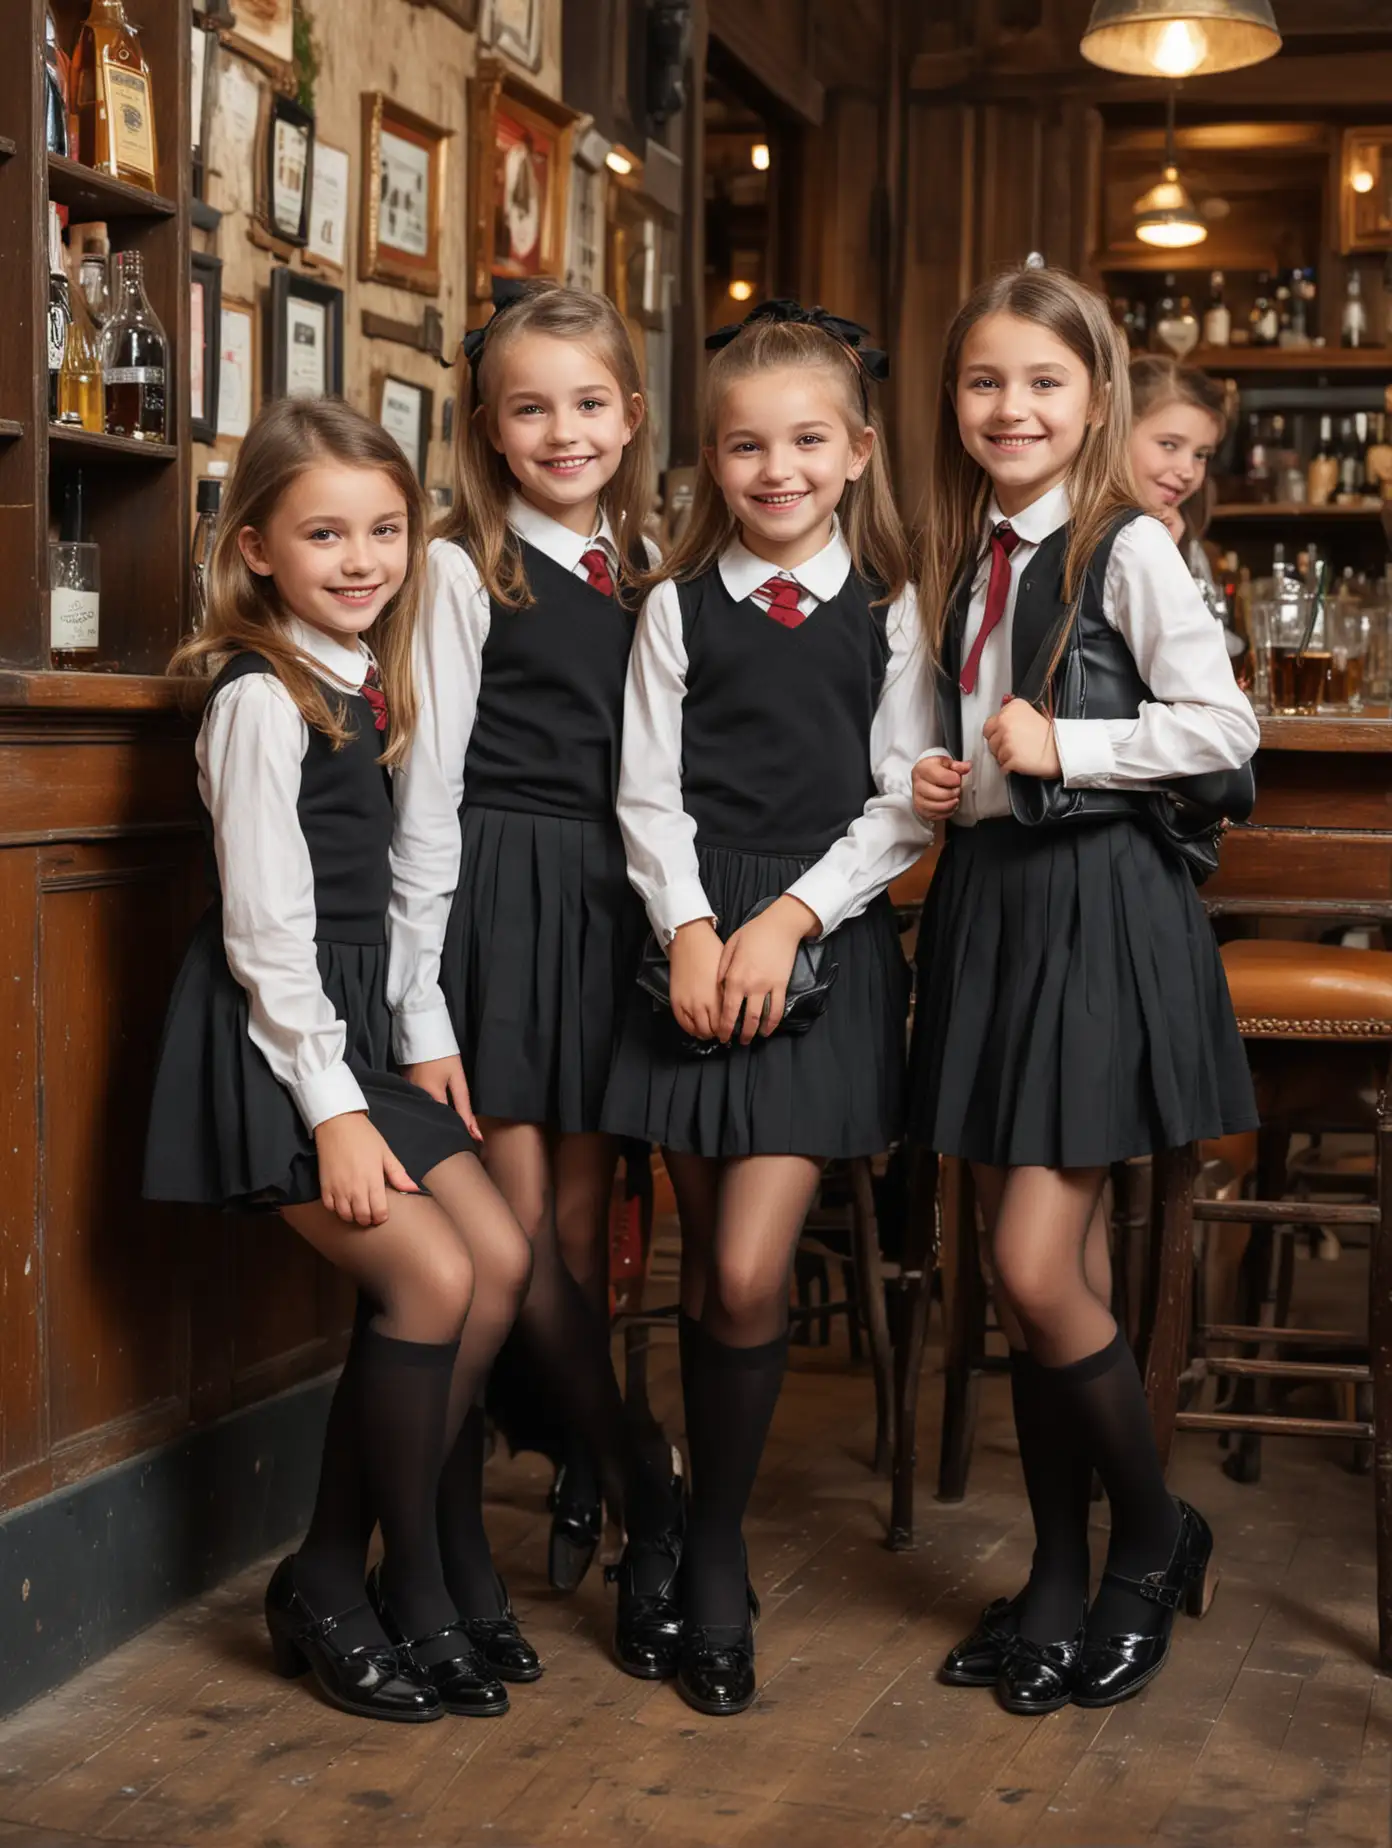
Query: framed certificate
x: 289, y: 170
x: 238, y: 372
x: 305, y: 343
x: 405, y: 411
x: 205, y: 344
x: 328, y: 207
x: 402, y: 195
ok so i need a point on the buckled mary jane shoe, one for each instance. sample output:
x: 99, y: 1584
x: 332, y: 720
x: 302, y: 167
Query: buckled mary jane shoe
x: 371, y: 1680
x: 461, y: 1678
x: 715, y: 1674
x: 1115, y: 1667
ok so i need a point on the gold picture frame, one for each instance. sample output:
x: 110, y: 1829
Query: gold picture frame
x: 263, y: 32
x: 519, y: 178
x: 403, y: 192
x: 1365, y: 191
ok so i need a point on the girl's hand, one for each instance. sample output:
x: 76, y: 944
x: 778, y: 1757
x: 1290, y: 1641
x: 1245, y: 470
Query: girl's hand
x: 445, y: 1081
x: 693, y: 962
x: 1173, y: 522
x: 937, y: 787
x: 356, y: 1168
x: 756, y: 965
x: 1022, y: 740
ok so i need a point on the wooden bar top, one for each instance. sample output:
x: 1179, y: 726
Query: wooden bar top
x: 46, y: 691
x: 1353, y: 732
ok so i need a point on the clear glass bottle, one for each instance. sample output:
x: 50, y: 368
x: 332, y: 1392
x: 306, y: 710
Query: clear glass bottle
x: 1350, y: 459
x: 135, y: 358
x: 1353, y: 324
x: 57, y: 79
x: 81, y: 388
x: 1264, y: 324
x: 74, y: 578
x: 1322, y: 478
x: 1217, y: 321
x: 93, y: 275
x: 111, y: 85
x: 59, y: 309
x: 204, y: 532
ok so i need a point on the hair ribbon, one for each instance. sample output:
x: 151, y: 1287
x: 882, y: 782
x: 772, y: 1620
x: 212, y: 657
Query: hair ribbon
x: 872, y: 362
x: 507, y: 292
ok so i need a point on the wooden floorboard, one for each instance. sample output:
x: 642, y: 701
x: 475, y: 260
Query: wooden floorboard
x: 1271, y: 1724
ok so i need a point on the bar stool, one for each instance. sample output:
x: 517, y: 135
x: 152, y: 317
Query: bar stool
x: 1317, y: 1022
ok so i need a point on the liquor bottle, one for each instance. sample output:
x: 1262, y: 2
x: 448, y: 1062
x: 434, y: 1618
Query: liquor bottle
x: 1217, y: 321
x: 57, y: 79
x: 1353, y: 325
x: 1263, y: 317
x: 1258, y: 460
x: 81, y: 389
x: 1323, y: 476
x: 135, y: 357
x: 74, y: 578
x: 204, y: 532
x: 93, y: 277
x: 1297, y: 331
x: 111, y: 82
x: 59, y: 309
x: 1378, y: 461
x: 1283, y: 314
x: 1350, y: 461
x: 1170, y: 324
x: 1140, y: 324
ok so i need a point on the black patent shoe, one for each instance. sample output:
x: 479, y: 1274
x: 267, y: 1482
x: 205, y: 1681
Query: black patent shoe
x: 1040, y: 1677
x: 977, y: 1660
x: 1114, y: 1668
x: 371, y: 1680
x: 718, y: 1677
x: 500, y: 1642
x: 461, y: 1680
x: 648, y: 1623
x: 577, y: 1521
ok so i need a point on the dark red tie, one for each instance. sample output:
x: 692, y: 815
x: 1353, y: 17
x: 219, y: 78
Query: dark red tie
x: 779, y: 595
x: 375, y: 697
x: 597, y: 571
x: 1004, y: 540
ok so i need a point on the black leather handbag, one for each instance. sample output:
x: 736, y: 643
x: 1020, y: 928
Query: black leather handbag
x: 811, y: 981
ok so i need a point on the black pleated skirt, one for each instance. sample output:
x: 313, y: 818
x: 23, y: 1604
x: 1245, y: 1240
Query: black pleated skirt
x: 1071, y: 1006
x: 225, y: 1132
x: 540, y: 952
x: 835, y: 1091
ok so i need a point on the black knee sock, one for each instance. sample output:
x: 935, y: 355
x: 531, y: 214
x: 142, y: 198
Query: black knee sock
x: 1103, y: 1396
x: 1058, y: 1481
x: 731, y: 1394
x: 403, y: 1390
x: 465, y: 1554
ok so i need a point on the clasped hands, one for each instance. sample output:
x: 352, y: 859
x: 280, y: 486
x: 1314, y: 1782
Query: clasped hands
x: 1019, y: 737
x: 711, y: 980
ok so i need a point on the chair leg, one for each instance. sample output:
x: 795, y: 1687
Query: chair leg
x: 1380, y: 1353
x: 966, y: 1339
x: 1244, y: 1461
x: 916, y: 1289
x: 1130, y: 1227
x: 869, y: 1276
x: 1169, y: 1342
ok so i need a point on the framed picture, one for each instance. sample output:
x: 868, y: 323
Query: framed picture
x: 328, y: 206
x: 514, y: 27
x: 238, y: 368
x: 1365, y: 191
x: 205, y: 344
x: 204, y: 47
x: 288, y: 171
x: 265, y: 32
x: 520, y: 169
x: 405, y: 411
x: 402, y: 195
x: 304, y: 346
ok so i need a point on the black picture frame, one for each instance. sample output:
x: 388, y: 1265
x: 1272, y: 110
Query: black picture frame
x: 285, y: 112
x: 287, y: 288
x: 205, y: 273
x: 387, y: 383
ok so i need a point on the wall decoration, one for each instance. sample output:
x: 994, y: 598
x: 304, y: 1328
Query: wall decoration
x: 402, y: 195
x: 265, y: 33
x: 1365, y: 191
x: 463, y: 12
x: 289, y: 170
x: 328, y: 206
x: 205, y: 343
x: 520, y: 174
x: 305, y: 336
x: 635, y: 260
x: 584, y: 265
x: 515, y: 27
x: 238, y: 371
x: 204, y: 47
x: 405, y: 411
x: 232, y: 135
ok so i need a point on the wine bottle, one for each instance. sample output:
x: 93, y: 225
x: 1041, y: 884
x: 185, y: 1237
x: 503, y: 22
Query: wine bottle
x: 1217, y: 321
x: 59, y: 309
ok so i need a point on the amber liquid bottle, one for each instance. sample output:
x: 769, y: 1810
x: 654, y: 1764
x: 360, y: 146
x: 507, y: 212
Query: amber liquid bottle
x: 111, y: 83
x: 135, y: 358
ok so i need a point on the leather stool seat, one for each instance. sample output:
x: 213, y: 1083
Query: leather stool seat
x: 1309, y: 990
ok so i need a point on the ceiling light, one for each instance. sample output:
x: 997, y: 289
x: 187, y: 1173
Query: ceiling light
x: 1166, y: 216
x: 1179, y: 38
x: 618, y: 163
x: 741, y: 291
x: 759, y: 156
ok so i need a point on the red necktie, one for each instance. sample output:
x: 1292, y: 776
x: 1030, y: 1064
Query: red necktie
x: 1004, y: 540
x: 597, y: 571
x: 779, y: 595
x: 375, y: 697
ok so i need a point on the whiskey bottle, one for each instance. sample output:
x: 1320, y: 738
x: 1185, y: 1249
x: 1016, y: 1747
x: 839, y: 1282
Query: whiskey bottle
x: 74, y: 579
x: 81, y: 391
x: 1323, y: 477
x: 111, y: 82
x: 1217, y: 321
x: 59, y: 310
x: 1353, y: 325
x: 93, y: 278
x: 135, y: 357
x: 1264, y: 324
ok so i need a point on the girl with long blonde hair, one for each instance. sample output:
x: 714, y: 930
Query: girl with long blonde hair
x: 765, y: 806
x: 1071, y: 1007
x: 274, y: 1088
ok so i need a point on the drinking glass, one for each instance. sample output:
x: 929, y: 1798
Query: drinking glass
x: 1348, y: 628
x: 1298, y: 676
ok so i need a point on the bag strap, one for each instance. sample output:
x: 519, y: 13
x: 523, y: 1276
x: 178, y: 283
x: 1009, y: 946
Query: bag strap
x: 1036, y: 685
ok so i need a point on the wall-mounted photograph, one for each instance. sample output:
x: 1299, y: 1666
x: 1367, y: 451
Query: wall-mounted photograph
x: 519, y: 178
x: 402, y: 195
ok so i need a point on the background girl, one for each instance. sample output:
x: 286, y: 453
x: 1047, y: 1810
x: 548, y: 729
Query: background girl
x: 1072, y: 1009
x: 765, y: 757
x: 273, y: 1087
x: 514, y: 930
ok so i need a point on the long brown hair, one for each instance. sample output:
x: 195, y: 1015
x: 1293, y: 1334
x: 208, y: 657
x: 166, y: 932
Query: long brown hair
x: 1099, y: 482
x: 483, y: 482
x: 1156, y: 381
x: 245, y: 610
x: 870, y: 522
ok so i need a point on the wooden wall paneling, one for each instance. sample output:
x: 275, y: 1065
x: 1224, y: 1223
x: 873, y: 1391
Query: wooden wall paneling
x: 23, y: 1434
x: 842, y: 209
x: 1009, y: 204
x: 278, y: 1318
x: 773, y: 42
x: 94, y: 776
x: 23, y: 370
x: 688, y: 313
x: 1258, y: 862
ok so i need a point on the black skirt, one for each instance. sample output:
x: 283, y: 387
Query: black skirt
x: 1072, y: 1008
x: 540, y: 952
x: 225, y: 1132
x: 833, y: 1092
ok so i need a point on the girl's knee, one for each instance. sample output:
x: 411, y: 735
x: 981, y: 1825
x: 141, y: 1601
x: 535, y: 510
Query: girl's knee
x: 748, y: 1291
x: 439, y: 1289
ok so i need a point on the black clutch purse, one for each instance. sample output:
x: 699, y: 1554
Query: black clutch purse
x: 811, y: 981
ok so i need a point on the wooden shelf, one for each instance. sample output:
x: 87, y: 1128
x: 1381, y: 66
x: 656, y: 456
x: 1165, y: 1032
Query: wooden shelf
x: 54, y: 692
x: 79, y: 444
x: 1290, y: 510
x: 10, y: 429
x: 89, y: 194
x: 1291, y: 359
x: 7, y: 147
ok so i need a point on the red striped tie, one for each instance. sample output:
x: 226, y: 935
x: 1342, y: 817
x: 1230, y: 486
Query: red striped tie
x: 597, y: 571
x: 1004, y: 540
x: 779, y: 595
x: 375, y: 697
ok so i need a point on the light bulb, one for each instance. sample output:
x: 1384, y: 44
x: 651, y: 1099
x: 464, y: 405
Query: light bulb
x: 759, y: 156
x: 1180, y: 49
x: 1361, y: 180
x: 1172, y: 233
x: 741, y: 291
x: 618, y: 163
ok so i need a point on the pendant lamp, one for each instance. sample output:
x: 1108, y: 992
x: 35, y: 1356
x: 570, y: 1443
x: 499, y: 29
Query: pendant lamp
x: 1166, y: 216
x: 1179, y: 38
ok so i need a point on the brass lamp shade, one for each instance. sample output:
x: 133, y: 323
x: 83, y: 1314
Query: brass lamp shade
x: 1179, y: 38
x: 1165, y: 216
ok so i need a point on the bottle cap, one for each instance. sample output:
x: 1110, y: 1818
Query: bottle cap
x: 209, y: 493
x: 72, y: 527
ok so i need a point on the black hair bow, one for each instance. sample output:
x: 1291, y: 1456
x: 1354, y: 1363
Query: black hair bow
x: 872, y: 361
x: 507, y: 292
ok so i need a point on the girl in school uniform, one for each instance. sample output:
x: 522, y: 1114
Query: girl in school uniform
x: 274, y: 1087
x: 770, y: 695
x: 513, y: 930
x: 1071, y: 1009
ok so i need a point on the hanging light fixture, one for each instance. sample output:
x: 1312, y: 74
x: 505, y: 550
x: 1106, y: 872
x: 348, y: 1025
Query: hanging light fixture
x: 1166, y: 216
x: 1179, y: 38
